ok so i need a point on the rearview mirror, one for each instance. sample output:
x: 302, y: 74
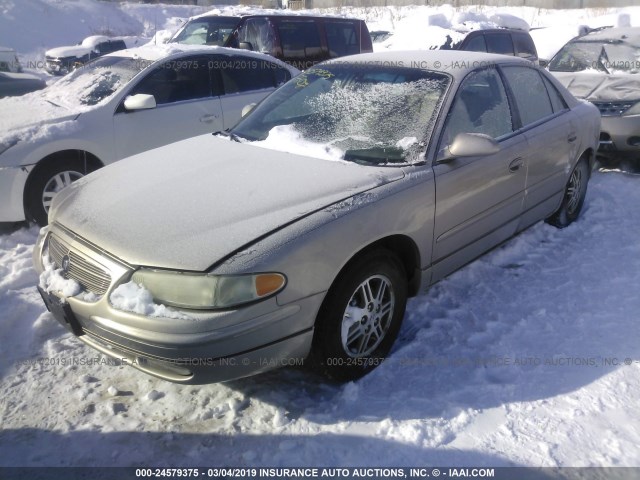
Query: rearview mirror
x: 247, y: 109
x: 470, y: 145
x: 140, y: 101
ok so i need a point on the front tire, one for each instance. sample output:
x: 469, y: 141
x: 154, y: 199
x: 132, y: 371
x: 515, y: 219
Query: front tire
x: 360, y: 318
x: 48, y: 181
x: 574, y: 194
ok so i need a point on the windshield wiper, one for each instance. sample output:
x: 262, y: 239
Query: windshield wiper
x: 376, y: 155
x: 228, y: 134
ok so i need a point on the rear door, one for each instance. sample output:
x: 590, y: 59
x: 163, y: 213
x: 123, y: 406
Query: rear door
x: 551, y: 133
x: 186, y: 106
x: 478, y: 199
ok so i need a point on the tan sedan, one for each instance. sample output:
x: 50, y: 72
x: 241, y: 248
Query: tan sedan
x: 300, y: 234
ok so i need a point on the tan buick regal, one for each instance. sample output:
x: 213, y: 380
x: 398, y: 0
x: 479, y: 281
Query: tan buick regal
x: 301, y: 233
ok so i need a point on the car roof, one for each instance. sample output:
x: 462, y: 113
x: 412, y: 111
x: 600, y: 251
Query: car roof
x: 630, y: 35
x: 457, y: 63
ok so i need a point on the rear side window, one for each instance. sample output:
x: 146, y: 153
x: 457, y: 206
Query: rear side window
x: 342, y: 38
x: 524, y: 46
x: 499, y: 43
x: 530, y: 94
x: 476, y: 44
x: 299, y: 39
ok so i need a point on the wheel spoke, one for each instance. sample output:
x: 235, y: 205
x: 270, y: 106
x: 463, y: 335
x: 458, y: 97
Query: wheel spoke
x: 367, y: 317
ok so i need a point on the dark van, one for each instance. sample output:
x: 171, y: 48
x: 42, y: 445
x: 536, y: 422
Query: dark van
x: 301, y: 41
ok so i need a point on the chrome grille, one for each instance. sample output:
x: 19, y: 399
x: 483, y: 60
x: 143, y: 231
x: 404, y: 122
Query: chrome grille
x: 88, y: 274
x: 610, y: 109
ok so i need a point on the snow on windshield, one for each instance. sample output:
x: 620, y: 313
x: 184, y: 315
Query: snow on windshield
x: 373, y: 115
x: 94, y: 82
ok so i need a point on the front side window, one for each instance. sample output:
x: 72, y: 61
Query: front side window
x: 476, y: 44
x: 350, y: 112
x: 177, y: 81
x: 257, y: 35
x: 530, y: 94
x: 481, y: 106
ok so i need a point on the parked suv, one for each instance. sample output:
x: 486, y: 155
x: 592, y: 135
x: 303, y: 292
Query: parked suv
x: 502, y: 40
x: 301, y: 41
x: 62, y: 60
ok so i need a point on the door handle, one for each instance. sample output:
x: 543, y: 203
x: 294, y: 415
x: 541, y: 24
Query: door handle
x: 515, y: 165
x: 208, y: 118
x: 572, y: 137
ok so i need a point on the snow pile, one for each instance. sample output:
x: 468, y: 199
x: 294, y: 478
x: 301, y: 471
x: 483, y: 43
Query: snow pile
x: 52, y: 280
x: 132, y: 297
x: 285, y: 138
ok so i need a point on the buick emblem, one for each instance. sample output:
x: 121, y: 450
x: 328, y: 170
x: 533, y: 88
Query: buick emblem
x: 66, y: 263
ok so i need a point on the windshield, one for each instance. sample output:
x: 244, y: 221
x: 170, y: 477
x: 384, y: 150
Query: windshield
x: 207, y: 31
x: 363, y: 113
x: 95, y: 81
x: 613, y: 57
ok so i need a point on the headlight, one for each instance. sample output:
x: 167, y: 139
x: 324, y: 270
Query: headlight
x: 203, y: 291
x: 635, y: 110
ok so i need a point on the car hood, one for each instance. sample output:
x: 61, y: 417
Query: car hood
x: 190, y: 204
x: 30, y: 117
x: 601, y: 87
x: 62, y: 52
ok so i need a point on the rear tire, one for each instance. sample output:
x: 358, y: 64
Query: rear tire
x: 574, y: 195
x: 46, y: 183
x: 360, y: 317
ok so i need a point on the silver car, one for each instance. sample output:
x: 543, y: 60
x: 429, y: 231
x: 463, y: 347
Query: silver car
x: 301, y: 233
x: 603, y: 67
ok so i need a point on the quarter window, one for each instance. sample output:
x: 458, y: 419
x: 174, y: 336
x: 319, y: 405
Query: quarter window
x: 481, y: 106
x: 557, y: 102
x: 532, y: 99
x: 524, y: 46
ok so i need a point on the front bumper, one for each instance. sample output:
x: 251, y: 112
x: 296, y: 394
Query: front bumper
x: 12, y: 183
x: 207, y: 347
x: 620, y: 134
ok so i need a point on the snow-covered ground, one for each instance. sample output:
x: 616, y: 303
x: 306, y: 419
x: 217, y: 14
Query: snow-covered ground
x: 530, y: 356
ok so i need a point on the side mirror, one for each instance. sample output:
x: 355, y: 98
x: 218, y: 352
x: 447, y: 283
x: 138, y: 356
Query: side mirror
x: 470, y: 145
x: 247, y: 109
x: 544, y: 63
x: 140, y: 101
x: 245, y: 46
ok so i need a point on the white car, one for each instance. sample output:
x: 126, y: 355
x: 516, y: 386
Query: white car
x: 118, y: 105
